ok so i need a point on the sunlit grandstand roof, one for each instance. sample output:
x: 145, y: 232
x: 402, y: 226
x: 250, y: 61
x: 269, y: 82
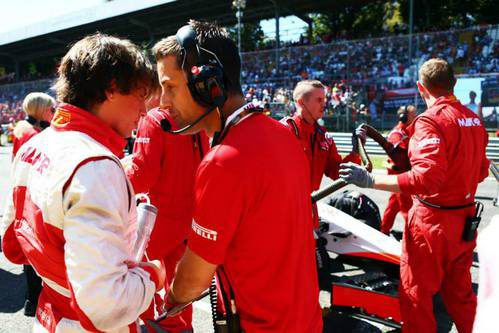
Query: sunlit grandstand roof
x: 78, y: 18
x: 140, y: 21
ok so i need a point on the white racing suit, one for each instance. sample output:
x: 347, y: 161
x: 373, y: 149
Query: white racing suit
x: 72, y: 217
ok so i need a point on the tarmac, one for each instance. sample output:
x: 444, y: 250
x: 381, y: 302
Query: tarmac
x: 12, y: 282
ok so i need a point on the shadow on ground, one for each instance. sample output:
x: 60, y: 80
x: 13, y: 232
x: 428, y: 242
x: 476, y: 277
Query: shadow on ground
x: 344, y: 324
x: 12, y: 290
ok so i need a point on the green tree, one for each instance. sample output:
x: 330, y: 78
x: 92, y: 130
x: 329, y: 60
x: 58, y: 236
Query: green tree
x: 321, y: 25
x: 252, y: 36
x: 443, y: 14
x: 356, y: 18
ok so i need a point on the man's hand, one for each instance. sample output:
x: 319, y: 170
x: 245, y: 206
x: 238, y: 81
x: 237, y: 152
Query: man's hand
x: 359, y: 132
x: 159, y: 269
x: 356, y: 174
x: 193, y: 276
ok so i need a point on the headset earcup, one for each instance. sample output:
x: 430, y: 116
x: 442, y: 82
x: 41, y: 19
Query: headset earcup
x: 207, y: 86
x: 403, y: 117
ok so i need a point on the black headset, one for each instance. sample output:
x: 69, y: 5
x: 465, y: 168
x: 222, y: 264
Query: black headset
x: 204, y: 78
x: 404, y: 115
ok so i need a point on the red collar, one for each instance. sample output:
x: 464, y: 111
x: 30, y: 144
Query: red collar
x: 449, y: 99
x: 401, y: 126
x: 72, y: 118
x: 303, y: 125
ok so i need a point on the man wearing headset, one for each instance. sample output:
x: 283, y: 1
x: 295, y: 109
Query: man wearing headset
x: 323, y: 157
x: 252, y: 213
x: 447, y: 156
x: 399, y: 136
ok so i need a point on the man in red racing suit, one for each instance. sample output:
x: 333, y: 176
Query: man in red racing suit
x: 398, y: 202
x: 320, y: 149
x: 72, y: 212
x: 164, y: 166
x: 447, y: 155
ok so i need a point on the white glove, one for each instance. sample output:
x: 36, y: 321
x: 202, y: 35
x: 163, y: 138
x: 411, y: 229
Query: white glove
x: 356, y: 174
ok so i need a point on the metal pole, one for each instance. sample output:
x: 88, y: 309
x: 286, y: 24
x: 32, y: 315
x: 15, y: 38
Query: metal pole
x: 239, y: 5
x: 411, y: 28
x: 17, y: 71
x: 238, y: 14
x: 416, y: 77
x: 411, y: 31
x: 348, y: 61
x: 277, y: 39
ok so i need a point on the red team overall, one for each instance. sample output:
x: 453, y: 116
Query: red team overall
x: 321, y: 151
x: 398, y: 202
x: 447, y: 155
x: 164, y: 166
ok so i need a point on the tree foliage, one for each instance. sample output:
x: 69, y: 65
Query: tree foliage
x: 252, y: 36
x: 359, y: 18
x: 443, y: 14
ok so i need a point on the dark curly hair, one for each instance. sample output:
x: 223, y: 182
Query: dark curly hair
x: 94, y: 63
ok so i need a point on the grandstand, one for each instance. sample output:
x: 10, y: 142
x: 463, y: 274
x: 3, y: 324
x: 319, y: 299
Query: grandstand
x: 359, y: 73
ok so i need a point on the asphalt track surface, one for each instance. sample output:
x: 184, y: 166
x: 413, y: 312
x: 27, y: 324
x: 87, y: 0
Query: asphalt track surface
x: 12, y: 283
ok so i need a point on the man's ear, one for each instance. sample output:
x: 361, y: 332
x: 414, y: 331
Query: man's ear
x: 111, y: 91
x: 422, y: 90
x: 300, y: 101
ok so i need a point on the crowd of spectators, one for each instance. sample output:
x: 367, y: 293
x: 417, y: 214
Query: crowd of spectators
x: 346, y: 104
x: 380, y: 59
x: 12, y: 95
x: 11, y: 111
x: 369, y: 66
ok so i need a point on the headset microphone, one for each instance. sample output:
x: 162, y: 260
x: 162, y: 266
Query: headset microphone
x: 205, y: 78
x: 404, y: 116
x: 167, y: 126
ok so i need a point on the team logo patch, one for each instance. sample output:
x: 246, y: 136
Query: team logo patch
x: 204, y: 232
x: 468, y: 122
x: 142, y: 140
x: 429, y: 141
x: 61, y: 118
x: 325, y: 145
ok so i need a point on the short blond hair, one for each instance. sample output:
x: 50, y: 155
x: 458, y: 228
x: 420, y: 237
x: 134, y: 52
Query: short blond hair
x: 35, y: 103
x: 303, y: 88
x: 437, y: 76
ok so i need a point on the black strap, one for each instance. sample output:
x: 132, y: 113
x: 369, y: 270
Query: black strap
x: 196, y: 138
x: 295, y: 127
x: 227, y: 300
x: 220, y: 136
x: 429, y: 204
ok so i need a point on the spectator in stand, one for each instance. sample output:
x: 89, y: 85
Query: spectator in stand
x: 375, y: 59
x: 473, y: 106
